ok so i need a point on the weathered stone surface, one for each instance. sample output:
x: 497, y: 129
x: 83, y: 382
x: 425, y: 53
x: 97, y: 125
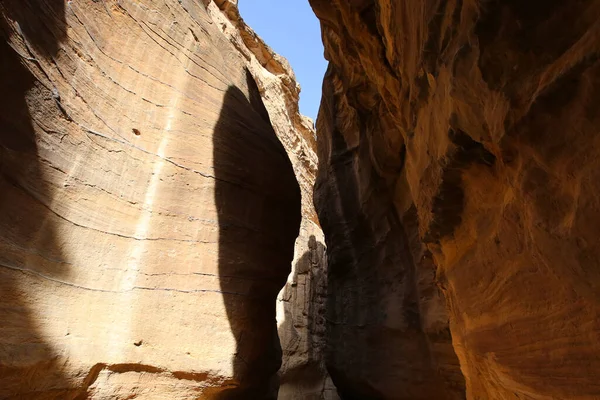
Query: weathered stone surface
x: 458, y: 153
x: 280, y: 91
x: 148, y: 208
x: 300, y: 304
x: 301, y: 320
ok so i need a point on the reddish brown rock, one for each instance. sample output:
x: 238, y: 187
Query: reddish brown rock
x: 458, y: 150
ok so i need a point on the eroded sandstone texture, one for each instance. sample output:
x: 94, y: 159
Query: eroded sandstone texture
x: 154, y: 171
x: 458, y: 190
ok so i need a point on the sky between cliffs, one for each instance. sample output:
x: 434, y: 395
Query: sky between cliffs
x: 291, y: 28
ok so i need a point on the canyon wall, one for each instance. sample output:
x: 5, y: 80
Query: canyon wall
x: 154, y: 175
x: 458, y: 191
x: 301, y: 303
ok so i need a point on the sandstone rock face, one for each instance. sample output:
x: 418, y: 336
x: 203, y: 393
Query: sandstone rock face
x: 301, y: 303
x: 458, y: 191
x: 149, y: 170
x: 301, y: 320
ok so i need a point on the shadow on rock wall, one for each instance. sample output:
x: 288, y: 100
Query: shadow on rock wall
x: 30, y: 247
x: 258, y: 205
x: 376, y: 345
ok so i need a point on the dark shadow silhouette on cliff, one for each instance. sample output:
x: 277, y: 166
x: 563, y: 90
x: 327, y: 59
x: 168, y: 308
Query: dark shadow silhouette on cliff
x: 302, y: 331
x: 30, y: 248
x: 258, y: 205
x: 41, y: 22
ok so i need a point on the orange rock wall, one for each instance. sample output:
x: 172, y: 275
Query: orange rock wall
x: 458, y: 188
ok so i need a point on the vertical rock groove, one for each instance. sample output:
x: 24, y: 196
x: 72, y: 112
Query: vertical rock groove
x: 461, y: 133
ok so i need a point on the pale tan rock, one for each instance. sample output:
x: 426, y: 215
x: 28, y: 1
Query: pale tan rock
x: 148, y: 208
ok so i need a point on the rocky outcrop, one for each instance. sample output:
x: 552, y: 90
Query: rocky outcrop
x: 149, y: 170
x: 281, y: 93
x: 457, y: 188
x: 301, y: 317
x: 301, y: 303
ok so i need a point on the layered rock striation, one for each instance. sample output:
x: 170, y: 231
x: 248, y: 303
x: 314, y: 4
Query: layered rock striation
x: 457, y: 189
x: 154, y: 174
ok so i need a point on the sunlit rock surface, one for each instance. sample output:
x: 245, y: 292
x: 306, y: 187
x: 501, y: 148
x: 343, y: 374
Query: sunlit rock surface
x: 154, y: 173
x: 458, y: 191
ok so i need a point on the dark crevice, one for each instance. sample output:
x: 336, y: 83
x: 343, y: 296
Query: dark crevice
x: 431, y: 50
x: 366, y: 340
x: 448, y: 204
x: 520, y: 38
